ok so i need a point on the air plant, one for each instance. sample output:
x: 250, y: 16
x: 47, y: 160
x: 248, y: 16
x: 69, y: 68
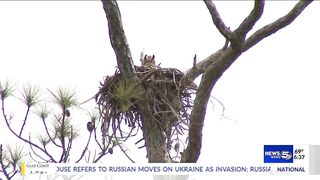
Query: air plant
x: 126, y: 94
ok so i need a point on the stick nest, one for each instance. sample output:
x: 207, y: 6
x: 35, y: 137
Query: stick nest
x: 166, y: 95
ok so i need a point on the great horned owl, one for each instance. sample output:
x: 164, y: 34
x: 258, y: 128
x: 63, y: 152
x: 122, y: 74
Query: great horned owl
x: 148, y: 61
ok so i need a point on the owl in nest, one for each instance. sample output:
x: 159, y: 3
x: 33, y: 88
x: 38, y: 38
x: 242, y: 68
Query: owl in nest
x: 149, y: 61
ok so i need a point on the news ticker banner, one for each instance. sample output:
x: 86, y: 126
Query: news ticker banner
x: 276, y: 160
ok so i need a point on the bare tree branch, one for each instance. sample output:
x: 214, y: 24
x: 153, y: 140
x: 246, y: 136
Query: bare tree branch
x: 262, y: 33
x: 276, y: 25
x: 24, y: 120
x: 102, y: 153
x: 62, y: 136
x: 96, y: 139
x: 103, y: 148
x: 251, y: 20
x: 234, y: 37
x: 118, y: 39
x: 201, y: 66
x: 124, y: 151
x: 218, y: 22
x: 36, y: 154
x: 85, y: 149
x: 48, y: 134
x: 208, y: 80
x: 69, y: 146
x: 14, y: 173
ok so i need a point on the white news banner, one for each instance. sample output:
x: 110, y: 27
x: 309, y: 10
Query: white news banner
x: 278, y: 159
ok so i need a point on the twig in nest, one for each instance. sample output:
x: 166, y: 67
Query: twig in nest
x: 170, y: 99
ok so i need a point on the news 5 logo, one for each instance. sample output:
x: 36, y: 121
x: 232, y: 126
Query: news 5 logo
x: 278, y: 153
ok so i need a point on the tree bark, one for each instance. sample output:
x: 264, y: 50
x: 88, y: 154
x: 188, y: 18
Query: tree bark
x: 118, y: 39
x: 208, y: 80
x: 154, y: 138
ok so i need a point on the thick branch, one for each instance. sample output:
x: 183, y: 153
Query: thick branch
x: 208, y: 80
x: 201, y: 66
x: 236, y: 38
x: 276, y: 25
x: 218, y: 22
x: 118, y: 39
x: 251, y: 20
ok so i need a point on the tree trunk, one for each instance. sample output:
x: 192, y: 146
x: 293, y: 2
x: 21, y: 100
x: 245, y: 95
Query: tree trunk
x: 154, y: 137
x: 155, y: 140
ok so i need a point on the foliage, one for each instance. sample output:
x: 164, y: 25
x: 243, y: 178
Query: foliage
x: 59, y: 131
x: 64, y: 98
x: 30, y: 95
x: 6, y: 89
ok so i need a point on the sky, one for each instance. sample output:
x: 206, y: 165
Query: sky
x: 270, y: 94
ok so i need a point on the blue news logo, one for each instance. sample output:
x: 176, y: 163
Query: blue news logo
x: 278, y: 153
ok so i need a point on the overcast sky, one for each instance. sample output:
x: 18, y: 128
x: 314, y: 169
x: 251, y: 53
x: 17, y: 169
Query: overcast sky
x: 271, y: 93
